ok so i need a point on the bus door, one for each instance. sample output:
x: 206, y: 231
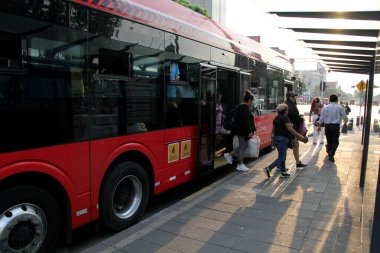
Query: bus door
x: 207, y: 119
x: 227, y: 96
x: 245, y: 82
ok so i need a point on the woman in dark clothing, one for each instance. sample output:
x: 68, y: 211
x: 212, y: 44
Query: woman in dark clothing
x: 244, y: 130
x: 282, y: 132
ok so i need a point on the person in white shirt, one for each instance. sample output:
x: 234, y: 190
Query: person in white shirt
x: 331, y: 117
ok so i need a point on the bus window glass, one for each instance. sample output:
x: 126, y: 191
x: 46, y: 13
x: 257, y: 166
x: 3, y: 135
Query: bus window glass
x: 182, y: 92
x: 126, y: 97
x: 55, y: 54
x: 47, y: 104
x: 184, y: 46
x: 114, y: 63
x: 10, y: 51
x: 275, y: 91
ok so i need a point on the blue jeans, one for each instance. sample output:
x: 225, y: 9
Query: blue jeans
x: 282, y: 146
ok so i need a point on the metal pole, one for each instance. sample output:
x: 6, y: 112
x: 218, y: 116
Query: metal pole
x: 375, y: 243
x: 367, y: 126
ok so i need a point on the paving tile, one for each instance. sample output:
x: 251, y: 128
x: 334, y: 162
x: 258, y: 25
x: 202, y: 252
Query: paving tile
x: 324, y: 225
x: 185, y: 230
x: 235, y: 230
x: 211, y: 214
x: 315, y: 246
x: 250, y: 245
x: 211, y: 248
x: 321, y: 235
x: 302, y: 213
x: 159, y: 237
x: 307, y: 206
x: 184, y: 244
x: 297, y: 221
x: 290, y: 241
x: 142, y: 246
x: 102, y: 247
x: 295, y: 230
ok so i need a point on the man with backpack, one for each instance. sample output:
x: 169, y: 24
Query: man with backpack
x: 241, y: 123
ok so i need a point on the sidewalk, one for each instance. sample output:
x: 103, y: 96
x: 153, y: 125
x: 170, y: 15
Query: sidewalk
x: 317, y: 209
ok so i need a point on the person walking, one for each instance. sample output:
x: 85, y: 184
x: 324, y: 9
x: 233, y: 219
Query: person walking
x: 218, y: 120
x: 315, y: 113
x: 331, y: 117
x: 347, y: 109
x: 244, y: 130
x: 296, y: 120
x: 283, y: 132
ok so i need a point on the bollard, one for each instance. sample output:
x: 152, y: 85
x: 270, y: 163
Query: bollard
x: 357, y: 121
x: 350, y: 124
x: 376, y: 126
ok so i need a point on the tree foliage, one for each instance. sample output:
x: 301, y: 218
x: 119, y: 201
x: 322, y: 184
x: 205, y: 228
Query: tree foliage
x: 194, y: 7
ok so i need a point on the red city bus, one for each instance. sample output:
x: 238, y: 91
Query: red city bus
x: 106, y: 103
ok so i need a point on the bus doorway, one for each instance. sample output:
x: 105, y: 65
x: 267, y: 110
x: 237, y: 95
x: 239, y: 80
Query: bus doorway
x: 207, y: 119
x: 227, y: 96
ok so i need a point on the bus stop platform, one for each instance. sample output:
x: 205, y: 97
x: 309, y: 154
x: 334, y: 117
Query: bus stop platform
x: 320, y: 208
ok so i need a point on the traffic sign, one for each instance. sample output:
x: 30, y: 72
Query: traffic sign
x: 361, y: 86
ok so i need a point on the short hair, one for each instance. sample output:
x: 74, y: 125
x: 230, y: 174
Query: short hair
x: 281, y: 108
x: 248, y: 95
x: 333, y: 98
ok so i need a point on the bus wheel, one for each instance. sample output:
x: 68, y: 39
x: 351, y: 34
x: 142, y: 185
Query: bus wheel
x: 124, y: 196
x: 29, y: 220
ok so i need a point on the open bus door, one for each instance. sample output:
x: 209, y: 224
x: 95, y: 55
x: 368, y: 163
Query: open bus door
x: 206, y: 119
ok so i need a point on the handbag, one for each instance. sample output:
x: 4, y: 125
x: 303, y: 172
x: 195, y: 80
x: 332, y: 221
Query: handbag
x: 253, y: 148
x: 302, y: 130
x: 224, y: 131
x: 290, y: 144
x: 344, y: 128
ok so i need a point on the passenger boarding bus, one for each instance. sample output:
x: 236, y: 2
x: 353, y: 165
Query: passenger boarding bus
x: 104, y: 104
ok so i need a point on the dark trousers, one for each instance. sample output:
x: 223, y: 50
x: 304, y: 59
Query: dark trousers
x: 332, y: 136
x: 282, y: 146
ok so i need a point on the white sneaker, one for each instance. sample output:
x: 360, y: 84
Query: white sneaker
x: 242, y: 167
x: 228, y: 158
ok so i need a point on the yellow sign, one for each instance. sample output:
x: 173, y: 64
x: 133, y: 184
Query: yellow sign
x: 185, y: 149
x: 361, y: 86
x: 173, y: 152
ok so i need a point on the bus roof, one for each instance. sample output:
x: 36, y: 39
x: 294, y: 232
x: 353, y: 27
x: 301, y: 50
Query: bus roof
x: 175, y: 18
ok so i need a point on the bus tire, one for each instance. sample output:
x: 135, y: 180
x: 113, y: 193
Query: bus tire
x: 30, y: 220
x: 124, y: 196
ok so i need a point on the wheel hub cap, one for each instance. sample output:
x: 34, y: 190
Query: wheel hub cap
x: 22, y: 229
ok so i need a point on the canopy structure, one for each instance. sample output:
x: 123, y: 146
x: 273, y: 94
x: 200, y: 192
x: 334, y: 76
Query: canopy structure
x: 333, y: 48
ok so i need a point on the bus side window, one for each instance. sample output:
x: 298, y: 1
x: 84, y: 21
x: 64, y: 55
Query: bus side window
x: 10, y: 51
x: 181, y: 94
x: 115, y: 63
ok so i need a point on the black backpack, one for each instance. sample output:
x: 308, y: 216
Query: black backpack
x: 231, y: 120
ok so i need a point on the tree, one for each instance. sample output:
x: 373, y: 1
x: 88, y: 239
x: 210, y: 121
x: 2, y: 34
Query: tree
x: 194, y: 7
x: 338, y: 91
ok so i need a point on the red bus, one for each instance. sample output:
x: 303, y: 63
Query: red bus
x: 104, y: 103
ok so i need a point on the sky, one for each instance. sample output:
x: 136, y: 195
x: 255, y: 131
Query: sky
x: 249, y: 17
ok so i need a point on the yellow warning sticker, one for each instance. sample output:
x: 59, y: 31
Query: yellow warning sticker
x: 185, y: 149
x: 173, y: 152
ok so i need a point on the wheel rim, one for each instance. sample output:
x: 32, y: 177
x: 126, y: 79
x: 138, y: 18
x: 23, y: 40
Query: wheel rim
x: 22, y: 228
x: 127, y: 196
